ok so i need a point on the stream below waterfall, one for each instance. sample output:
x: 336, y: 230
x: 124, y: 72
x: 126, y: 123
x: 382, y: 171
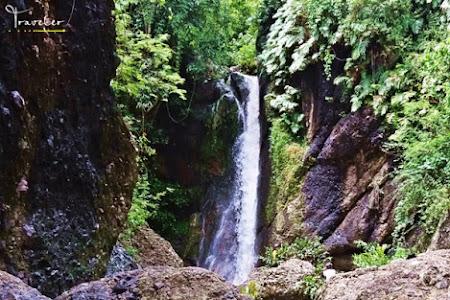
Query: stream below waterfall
x: 231, y: 251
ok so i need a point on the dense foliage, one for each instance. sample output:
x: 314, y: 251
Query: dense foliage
x: 159, y: 43
x: 207, y: 36
x: 378, y: 255
x: 144, y: 81
x: 144, y: 78
x: 396, y: 60
x: 422, y: 119
x: 304, y: 249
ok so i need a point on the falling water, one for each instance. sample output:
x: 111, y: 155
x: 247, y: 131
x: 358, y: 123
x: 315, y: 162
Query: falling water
x: 232, y: 252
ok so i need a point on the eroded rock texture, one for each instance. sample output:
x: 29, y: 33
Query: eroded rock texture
x: 158, y: 283
x: 120, y: 261
x: 283, y: 282
x: 13, y: 288
x: 347, y: 193
x: 67, y: 166
x: 426, y: 277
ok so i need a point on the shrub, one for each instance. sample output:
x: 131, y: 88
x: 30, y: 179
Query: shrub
x: 313, y: 283
x: 251, y: 290
x: 397, y: 59
x: 421, y: 117
x: 377, y: 255
x: 304, y: 249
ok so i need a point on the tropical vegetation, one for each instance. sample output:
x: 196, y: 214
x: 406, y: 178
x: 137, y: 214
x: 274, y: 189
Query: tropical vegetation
x: 396, y: 59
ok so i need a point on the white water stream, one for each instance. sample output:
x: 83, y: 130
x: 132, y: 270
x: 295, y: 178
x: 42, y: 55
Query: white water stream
x: 235, y: 259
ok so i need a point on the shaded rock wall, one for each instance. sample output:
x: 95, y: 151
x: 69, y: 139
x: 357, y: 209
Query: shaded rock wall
x: 196, y: 152
x: 60, y: 135
x: 198, y: 148
x: 347, y: 193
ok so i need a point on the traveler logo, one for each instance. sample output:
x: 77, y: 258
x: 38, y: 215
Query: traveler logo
x: 44, y: 24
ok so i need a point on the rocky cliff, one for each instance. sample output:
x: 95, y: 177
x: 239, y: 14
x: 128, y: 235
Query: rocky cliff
x: 67, y: 166
x: 345, y: 193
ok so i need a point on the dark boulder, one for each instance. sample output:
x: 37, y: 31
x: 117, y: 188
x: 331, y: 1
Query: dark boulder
x: 12, y: 288
x: 347, y: 193
x: 120, y: 261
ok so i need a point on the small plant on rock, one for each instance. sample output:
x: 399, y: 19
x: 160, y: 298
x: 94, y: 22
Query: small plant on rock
x: 313, y: 283
x: 378, y: 255
x: 304, y: 249
x: 251, y: 290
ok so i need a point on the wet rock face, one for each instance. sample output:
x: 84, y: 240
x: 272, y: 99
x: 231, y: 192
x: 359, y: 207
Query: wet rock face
x: 200, y: 146
x: 344, y: 190
x: 198, y: 154
x: 347, y: 194
x: 120, y: 261
x: 283, y: 282
x: 426, y: 277
x: 158, y: 283
x: 67, y: 167
x: 13, y: 288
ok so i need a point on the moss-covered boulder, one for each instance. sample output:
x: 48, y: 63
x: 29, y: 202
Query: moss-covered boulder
x: 193, y: 239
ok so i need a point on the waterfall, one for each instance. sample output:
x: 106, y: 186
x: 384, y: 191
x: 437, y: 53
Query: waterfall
x: 232, y: 251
